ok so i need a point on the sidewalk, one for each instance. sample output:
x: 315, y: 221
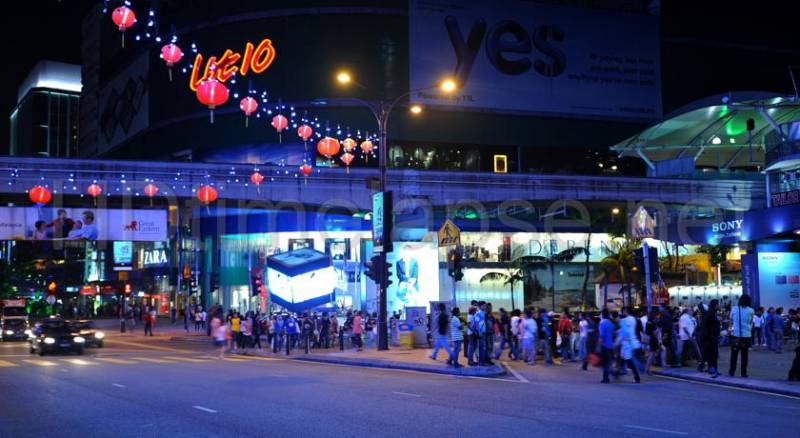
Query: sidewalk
x: 417, y: 359
x: 767, y: 372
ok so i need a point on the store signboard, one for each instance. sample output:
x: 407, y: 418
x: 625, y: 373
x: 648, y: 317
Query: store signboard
x: 45, y: 223
x: 521, y: 56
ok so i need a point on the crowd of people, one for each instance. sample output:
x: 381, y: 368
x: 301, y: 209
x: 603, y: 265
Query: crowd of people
x: 621, y: 342
x: 618, y: 341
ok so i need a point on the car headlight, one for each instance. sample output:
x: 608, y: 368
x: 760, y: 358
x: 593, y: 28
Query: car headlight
x: 28, y: 332
x: 79, y: 339
x: 9, y: 332
x: 99, y: 335
x: 49, y: 341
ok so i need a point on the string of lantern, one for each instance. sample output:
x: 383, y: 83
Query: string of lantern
x: 213, y: 93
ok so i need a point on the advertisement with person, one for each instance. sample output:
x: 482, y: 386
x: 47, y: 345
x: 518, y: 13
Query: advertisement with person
x: 415, y: 275
x: 779, y: 279
x: 43, y: 223
x: 534, y: 57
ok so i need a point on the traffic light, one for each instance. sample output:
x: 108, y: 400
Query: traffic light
x: 387, y: 271
x: 257, y: 282
x: 652, y: 259
x: 455, y: 267
x: 372, y: 268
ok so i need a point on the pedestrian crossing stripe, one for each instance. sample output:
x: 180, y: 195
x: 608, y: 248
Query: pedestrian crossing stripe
x: 80, y: 362
x: 5, y: 364
x: 41, y: 363
x: 153, y: 360
x: 115, y: 360
x: 186, y: 359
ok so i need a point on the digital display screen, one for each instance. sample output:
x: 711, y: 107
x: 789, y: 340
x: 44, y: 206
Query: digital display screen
x: 415, y: 275
x: 779, y: 279
x: 123, y: 255
x: 303, y: 291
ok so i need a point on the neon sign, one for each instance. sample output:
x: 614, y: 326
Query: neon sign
x: 255, y: 58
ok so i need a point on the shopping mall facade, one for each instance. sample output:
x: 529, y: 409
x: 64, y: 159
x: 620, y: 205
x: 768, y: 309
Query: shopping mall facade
x: 519, y: 157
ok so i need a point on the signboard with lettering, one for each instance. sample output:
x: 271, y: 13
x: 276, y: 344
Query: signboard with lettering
x: 785, y: 198
x: 46, y: 223
x: 254, y: 58
x: 537, y: 57
x: 642, y: 224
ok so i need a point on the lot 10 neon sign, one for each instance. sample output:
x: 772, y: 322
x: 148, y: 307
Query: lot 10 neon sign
x: 255, y: 58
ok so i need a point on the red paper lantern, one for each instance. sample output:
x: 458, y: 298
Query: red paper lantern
x: 248, y: 105
x: 124, y: 18
x: 305, y: 132
x: 171, y: 54
x: 348, y: 144
x: 212, y: 93
x: 94, y: 190
x: 366, y: 148
x: 207, y: 194
x: 306, y: 170
x: 347, y: 158
x: 279, y: 122
x: 151, y: 190
x: 256, y: 178
x: 328, y: 147
x: 40, y: 195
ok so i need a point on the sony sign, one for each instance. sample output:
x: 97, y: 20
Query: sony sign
x: 727, y: 226
x: 522, y: 56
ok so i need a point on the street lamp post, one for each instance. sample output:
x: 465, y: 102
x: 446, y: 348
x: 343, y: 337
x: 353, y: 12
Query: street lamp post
x: 380, y: 110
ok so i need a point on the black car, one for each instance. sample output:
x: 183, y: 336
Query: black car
x: 55, y: 336
x: 89, y: 332
x: 14, y: 330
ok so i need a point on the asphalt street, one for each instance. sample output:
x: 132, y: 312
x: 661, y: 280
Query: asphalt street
x: 154, y: 387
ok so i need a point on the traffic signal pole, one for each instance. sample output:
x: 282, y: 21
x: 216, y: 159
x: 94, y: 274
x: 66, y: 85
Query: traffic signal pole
x: 649, y: 288
x: 383, y: 153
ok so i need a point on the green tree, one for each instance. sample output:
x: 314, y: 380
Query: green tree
x: 19, y: 275
x: 620, y: 263
x: 549, y: 263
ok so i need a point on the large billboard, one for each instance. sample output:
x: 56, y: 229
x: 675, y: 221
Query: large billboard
x: 517, y: 56
x: 779, y: 279
x: 415, y: 275
x: 45, y: 223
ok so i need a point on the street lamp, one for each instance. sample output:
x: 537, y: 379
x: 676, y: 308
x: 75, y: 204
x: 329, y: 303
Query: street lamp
x: 381, y: 110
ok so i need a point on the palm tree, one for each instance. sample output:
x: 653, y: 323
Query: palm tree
x: 510, y: 277
x: 541, y: 262
x: 620, y: 262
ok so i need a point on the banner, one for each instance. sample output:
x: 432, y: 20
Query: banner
x: 33, y: 223
x: 415, y: 275
x: 779, y: 279
x: 526, y: 57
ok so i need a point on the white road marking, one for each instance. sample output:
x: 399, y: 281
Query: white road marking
x: 728, y: 387
x: 516, y: 374
x: 406, y: 394
x: 653, y: 429
x: 204, y: 409
x: 118, y: 385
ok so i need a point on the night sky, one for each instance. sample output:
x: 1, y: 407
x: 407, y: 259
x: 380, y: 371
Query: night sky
x: 744, y: 47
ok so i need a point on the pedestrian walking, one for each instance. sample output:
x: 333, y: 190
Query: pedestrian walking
x: 686, y: 337
x: 440, y: 333
x: 457, y: 336
x: 758, y: 323
x: 543, y: 335
x: 507, y: 335
x: 653, y: 340
x: 710, y: 337
x: 628, y: 343
x: 219, y: 331
x: 778, y: 331
x: 236, y: 331
x: 605, y: 345
x: 565, y: 330
x: 527, y: 333
x: 357, y: 331
x: 291, y: 329
x: 148, y: 323
x: 740, y: 318
x: 325, y: 331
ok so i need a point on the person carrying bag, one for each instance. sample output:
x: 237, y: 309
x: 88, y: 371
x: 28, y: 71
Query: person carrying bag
x: 741, y: 316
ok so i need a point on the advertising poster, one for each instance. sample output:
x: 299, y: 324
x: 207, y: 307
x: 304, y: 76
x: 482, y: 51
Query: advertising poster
x: 123, y: 255
x: 302, y: 279
x: 779, y: 279
x: 34, y: 223
x: 415, y: 275
x: 522, y: 56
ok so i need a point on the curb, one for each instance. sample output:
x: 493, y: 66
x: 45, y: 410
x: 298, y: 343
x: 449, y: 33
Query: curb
x: 466, y: 371
x: 752, y: 385
x: 192, y: 339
